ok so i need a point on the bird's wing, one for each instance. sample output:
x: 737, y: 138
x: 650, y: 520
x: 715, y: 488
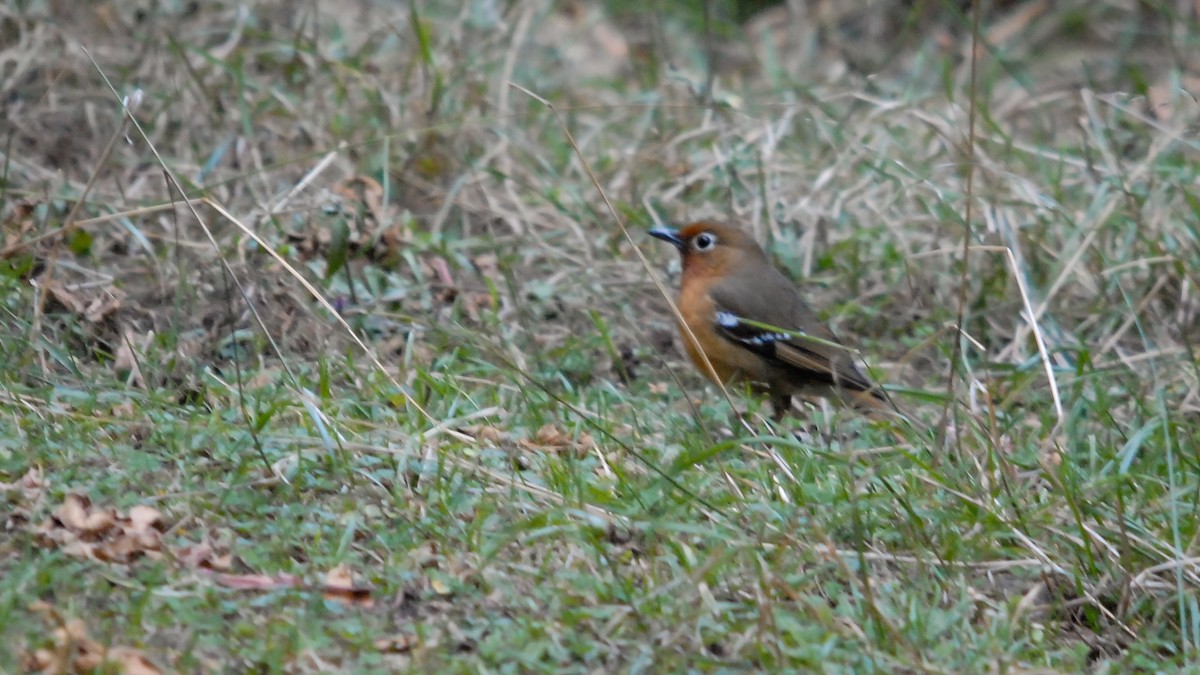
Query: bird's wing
x: 751, y: 317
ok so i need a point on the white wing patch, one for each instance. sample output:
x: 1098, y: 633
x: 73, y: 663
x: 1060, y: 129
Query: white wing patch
x: 747, y: 334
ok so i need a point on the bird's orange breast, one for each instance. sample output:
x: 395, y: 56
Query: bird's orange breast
x: 731, y: 362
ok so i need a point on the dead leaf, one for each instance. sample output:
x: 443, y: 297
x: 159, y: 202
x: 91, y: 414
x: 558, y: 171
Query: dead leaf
x: 129, y: 547
x: 30, y: 485
x: 65, y: 297
x: 426, y: 555
x: 364, y: 191
x: 104, y: 304
x: 339, y: 576
x: 551, y: 435
x: 142, y: 518
x: 359, y: 204
x: 203, y: 556
x: 126, y: 660
x: 442, y: 269
x: 339, y: 585
x: 17, y: 223
x: 284, y: 469
x: 483, y: 432
x: 473, y: 302
x: 488, y: 265
x: 132, y: 661
x: 76, y: 514
x: 72, y: 649
x: 256, y: 582
x: 81, y: 530
x: 93, y: 304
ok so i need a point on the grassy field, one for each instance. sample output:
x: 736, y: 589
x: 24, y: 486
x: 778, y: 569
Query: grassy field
x: 336, y: 353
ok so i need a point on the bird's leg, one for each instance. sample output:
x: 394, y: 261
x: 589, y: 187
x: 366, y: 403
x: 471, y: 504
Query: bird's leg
x: 782, y: 404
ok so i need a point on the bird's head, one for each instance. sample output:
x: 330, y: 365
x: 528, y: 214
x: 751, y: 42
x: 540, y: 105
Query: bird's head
x: 709, y: 248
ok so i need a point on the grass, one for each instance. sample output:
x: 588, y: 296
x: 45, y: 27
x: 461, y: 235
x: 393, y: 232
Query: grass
x: 203, y: 471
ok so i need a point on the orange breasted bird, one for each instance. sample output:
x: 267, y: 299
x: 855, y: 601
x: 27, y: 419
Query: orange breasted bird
x: 749, y: 320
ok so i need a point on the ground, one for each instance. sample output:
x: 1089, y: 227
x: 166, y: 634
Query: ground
x: 335, y: 349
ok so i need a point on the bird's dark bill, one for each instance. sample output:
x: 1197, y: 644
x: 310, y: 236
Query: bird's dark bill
x: 668, y: 235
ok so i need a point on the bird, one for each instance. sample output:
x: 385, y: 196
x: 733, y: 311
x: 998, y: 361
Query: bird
x: 748, y: 318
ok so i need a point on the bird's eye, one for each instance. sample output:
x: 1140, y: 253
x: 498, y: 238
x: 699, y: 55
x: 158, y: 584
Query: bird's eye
x: 704, y: 242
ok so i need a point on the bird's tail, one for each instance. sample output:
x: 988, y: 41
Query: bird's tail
x: 875, y: 401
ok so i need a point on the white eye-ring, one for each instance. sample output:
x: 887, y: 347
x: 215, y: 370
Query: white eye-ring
x: 705, y: 241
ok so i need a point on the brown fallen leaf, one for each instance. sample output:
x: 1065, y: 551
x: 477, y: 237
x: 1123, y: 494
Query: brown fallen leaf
x: 483, y: 432
x: 72, y: 650
x: 76, y: 514
x: 134, y: 662
x: 256, y: 582
x: 126, y: 659
x: 103, y: 304
x: 426, y: 555
x: 488, y: 265
x: 551, y: 435
x: 366, y: 194
x: 79, y: 529
x: 64, y: 297
x: 339, y: 585
x: 16, y: 222
x: 442, y: 269
x: 585, y: 442
x: 30, y: 485
x: 128, y: 547
x: 339, y: 576
x: 94, y: 305
x: 144, y: 518
x: 361, y: 209
x: 203, y: 556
